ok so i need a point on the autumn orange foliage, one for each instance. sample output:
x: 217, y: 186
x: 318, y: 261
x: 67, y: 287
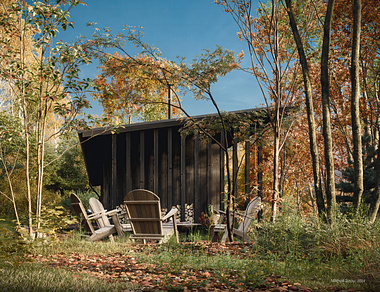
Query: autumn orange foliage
x: 135, y: 87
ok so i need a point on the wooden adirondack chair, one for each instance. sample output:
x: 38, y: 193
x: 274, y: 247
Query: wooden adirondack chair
x: 241, y: 231
x: 144, y: 211
x: 86, y: 221
x: 97, y: 208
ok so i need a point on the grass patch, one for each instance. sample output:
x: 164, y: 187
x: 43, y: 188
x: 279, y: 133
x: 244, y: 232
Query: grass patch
x: 32, y: 277
x: 320, y: 255
x: 301, y: 251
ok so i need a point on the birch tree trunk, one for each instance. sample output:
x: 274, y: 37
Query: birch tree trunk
x: 276, y: 174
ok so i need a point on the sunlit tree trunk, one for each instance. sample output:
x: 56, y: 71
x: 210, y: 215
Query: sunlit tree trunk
x: 25, y: 115
x: 325, y: 84
x: 276, y: 173
x: 355, y: 107
x: 375, y: 207
x: 27, y: 168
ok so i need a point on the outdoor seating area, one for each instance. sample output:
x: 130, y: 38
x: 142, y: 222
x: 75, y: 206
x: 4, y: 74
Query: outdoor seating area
x: 142, y: 210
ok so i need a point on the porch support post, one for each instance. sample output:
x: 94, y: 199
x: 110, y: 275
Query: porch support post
x: 247, y: 168
x: 170, y: 168
x: 128, y: 171
x: 260, y: 173
x: 196, y: 179
x: 234, y: 167
x: 209, y: 176
x: 222, y: 169
x: 112, y: 194
x: 183, y: 177
x: 156, y: 162
x: 142, y: 159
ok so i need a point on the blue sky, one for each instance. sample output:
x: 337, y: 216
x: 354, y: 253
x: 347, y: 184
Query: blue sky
x: 178, y: 28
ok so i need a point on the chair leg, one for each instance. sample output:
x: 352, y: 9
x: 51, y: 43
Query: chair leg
x: 214, y: 236
x: 225, y: 235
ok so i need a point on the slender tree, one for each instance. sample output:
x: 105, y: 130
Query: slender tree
x: 41, y: 80
x: 327, y: 135
x: 355, y: 105
x: 309, y: 109
x: 268, y: 48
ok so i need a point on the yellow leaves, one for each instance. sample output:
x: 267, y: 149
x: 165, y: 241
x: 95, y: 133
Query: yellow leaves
x: 240, y: 56
x: 135, y: 86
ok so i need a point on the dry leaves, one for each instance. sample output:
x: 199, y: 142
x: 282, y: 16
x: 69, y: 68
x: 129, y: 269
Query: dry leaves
x: 152, y: 277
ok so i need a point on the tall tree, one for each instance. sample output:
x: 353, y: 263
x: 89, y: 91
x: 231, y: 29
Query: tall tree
x: 41, y: 80
x: 327, y: 135
x: 326, y: 114
x: 346, y: 108
x: 355, y: 106
x: 309, y: 108
x: 271, y: 65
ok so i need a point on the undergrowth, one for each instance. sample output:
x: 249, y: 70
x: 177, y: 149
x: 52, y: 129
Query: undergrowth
x: 304, y: 250
x: 345, y: 253
x: 31, y: 277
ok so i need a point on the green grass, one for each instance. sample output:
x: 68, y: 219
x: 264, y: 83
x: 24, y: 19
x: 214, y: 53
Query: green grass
x: 344, y: 254
x: 31, y: 277
x: 305, y: 251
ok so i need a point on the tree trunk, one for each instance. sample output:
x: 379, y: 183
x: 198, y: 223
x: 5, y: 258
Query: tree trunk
x: 325, y: 84
x: 26, y: 121
x: 309, y: 110
x: 27, y: 169
x: 276, y: 122
x: 355, y: 107
x: 276, y: 175
x: 375, y: 206
x: 12, y: 193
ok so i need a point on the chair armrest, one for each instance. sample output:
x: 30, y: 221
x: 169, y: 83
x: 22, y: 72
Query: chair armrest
x: 111, y: 213
x: 96, y: 215
x: 121, y: 213
x: 171, y: 213
x: 252, y: 216
x: 101, y: 213
x: 219, y: 212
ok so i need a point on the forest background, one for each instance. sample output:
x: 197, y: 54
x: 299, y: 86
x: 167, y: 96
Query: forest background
x: 318, y: 58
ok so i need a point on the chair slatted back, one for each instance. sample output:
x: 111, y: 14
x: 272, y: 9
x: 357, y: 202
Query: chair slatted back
x: 97, y: 207
x: 81, y: 213
x: 144, y: 212
x: 250, y: 212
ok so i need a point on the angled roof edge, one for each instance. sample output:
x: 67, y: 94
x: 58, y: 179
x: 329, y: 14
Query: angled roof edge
x: 154, y: 124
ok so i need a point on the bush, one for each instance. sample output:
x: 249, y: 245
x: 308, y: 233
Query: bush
x: 12, y: 245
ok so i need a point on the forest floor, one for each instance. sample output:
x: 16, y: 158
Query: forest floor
x: 155, y: 267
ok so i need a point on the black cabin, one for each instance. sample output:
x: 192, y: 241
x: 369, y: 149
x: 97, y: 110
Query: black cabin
x: 184, y: 171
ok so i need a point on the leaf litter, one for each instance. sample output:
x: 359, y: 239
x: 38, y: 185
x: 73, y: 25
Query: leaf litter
x: 161, y: 277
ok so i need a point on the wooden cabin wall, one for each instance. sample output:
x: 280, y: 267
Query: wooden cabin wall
x: 180, y: 170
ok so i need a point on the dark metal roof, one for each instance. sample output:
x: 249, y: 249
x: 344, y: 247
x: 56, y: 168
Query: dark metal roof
x: 141, y: 126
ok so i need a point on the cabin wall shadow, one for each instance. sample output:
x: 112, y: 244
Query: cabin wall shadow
x: 183, y: 171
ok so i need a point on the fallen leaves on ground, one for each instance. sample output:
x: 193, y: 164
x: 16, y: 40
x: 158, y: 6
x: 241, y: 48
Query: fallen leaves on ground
x: 154, y: 277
